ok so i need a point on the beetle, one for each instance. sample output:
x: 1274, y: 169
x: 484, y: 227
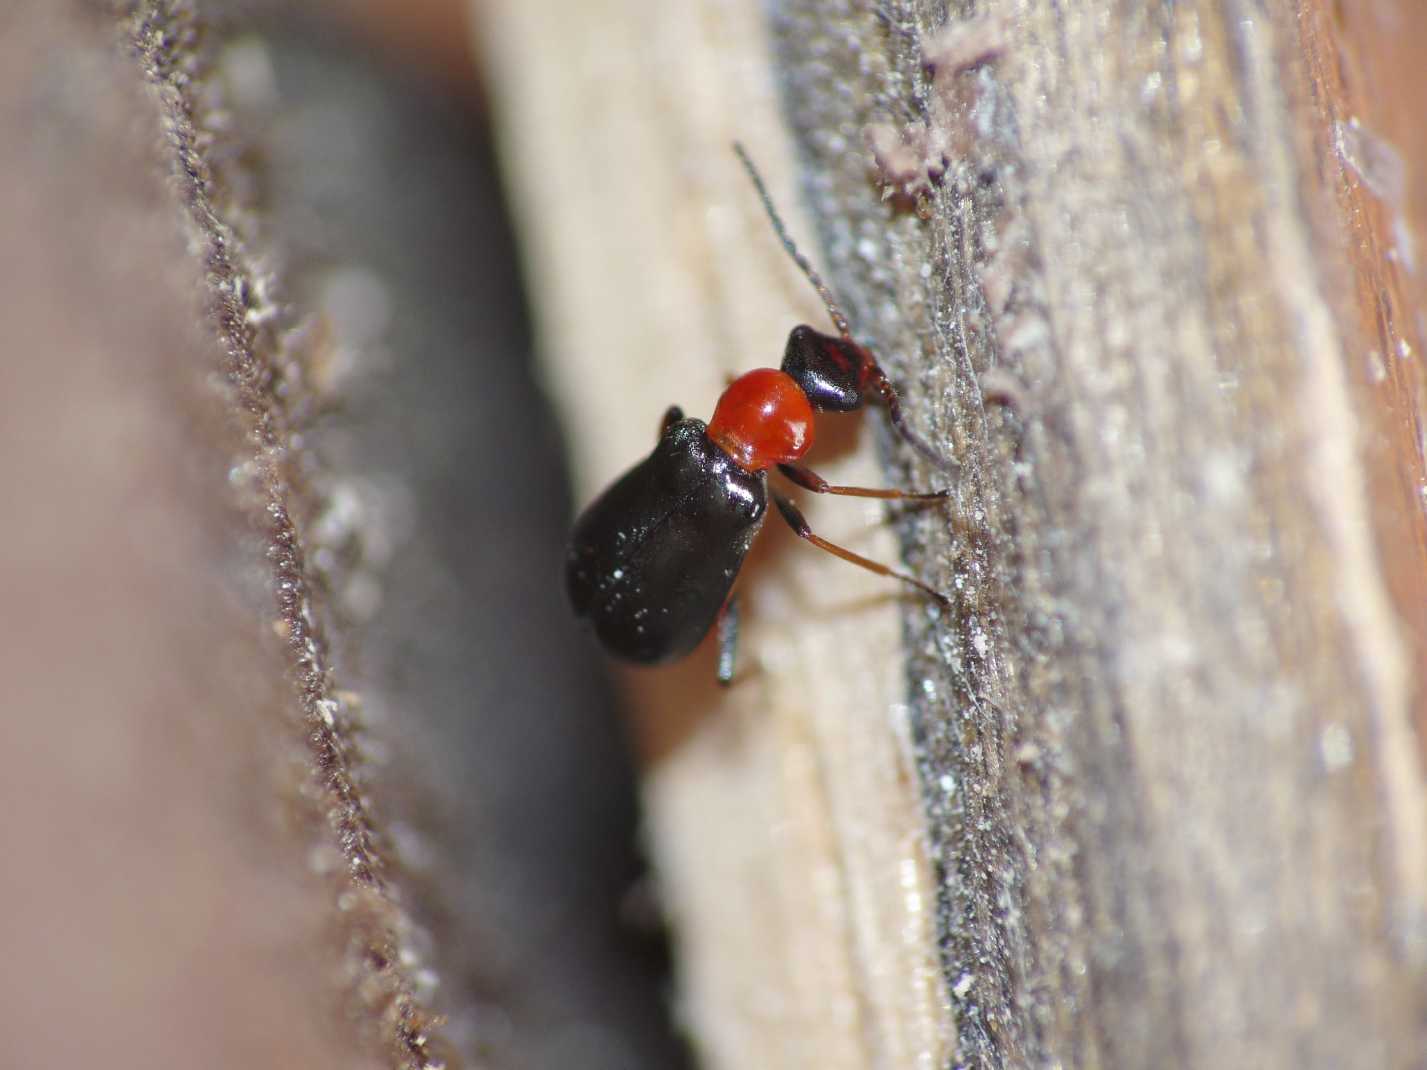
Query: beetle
x: 652, y: 561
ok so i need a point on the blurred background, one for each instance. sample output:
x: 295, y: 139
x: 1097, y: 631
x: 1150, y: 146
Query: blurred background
x: 374, y: 164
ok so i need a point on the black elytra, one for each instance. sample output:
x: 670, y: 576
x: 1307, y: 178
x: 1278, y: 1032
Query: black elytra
x: 653, y: 558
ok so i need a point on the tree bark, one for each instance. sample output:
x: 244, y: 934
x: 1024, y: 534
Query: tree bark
x: 160, y: 903
x: 1160, y: 300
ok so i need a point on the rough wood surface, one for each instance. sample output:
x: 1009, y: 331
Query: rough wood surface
x: 1163, y: 306
x: 194, y: 875
x: 161, y: 906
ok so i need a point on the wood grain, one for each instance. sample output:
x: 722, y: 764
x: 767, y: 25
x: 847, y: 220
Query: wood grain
x: 1163, y: 307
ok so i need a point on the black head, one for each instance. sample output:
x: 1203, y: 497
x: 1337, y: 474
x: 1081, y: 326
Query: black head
x: 831, y: 370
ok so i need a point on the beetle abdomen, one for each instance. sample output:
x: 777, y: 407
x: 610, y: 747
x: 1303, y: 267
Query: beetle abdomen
x: 653, y: 558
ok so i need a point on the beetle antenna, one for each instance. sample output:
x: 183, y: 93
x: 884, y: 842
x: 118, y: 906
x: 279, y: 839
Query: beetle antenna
x: 838, y: 319
x: 885, y: 392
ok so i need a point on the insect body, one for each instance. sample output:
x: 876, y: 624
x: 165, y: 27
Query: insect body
x: 653, y: 560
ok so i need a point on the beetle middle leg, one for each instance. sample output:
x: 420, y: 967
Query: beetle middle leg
x: 794, y: 516
x: 810, y: 480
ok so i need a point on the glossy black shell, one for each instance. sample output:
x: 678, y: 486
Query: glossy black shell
x: 653, y: 558
x: 831, y: 371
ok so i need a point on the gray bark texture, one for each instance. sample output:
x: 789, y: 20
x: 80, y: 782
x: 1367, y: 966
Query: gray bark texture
x: 1167, y: 737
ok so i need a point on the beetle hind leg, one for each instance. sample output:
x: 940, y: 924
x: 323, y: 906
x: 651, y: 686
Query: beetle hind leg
x: 727, y: 630
x: 794, y: 517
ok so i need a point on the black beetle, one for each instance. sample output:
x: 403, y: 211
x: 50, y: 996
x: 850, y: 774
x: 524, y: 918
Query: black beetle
x: 652, y: 561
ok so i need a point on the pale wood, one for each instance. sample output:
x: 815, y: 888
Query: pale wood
x: 1167, y: 745
x: 784, y: 816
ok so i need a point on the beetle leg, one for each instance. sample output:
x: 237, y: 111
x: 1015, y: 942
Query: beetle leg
x: 672, y: 415
x: 795, y: 520
x: 882, y: 390
x: 810, y: 480
x: 727, y: 629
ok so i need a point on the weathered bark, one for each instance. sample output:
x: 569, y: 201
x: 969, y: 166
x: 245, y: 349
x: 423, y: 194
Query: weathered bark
x: 1163, y: 308
x: 159, y: 906
x: 193, y: 873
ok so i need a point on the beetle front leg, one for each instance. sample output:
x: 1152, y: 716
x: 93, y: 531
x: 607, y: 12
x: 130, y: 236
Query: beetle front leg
x: 880, y: 389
